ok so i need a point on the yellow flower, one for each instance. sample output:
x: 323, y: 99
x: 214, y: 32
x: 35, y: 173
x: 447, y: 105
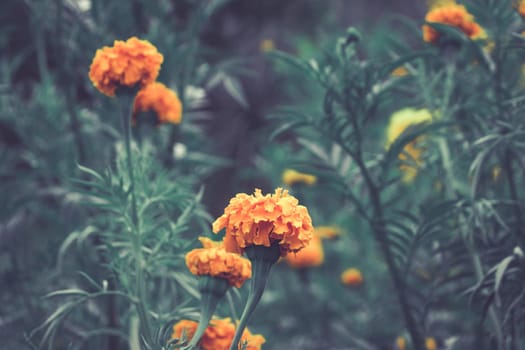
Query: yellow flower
x: 399, y: 122
x: 430, y: 343
x: 327, y: 232
x: 496, y: 173
x: 291, y: 177
x: 267, y: 45
x: 131, y: 63
x: 310, y: 256
x: 217, y: 262
x: 261, y: 220
x: 164, y: 102
x: 401, y: 343
x: 454, y: 15
x: 218, y: 335
x: 399, y: 72
x: 352, y: 277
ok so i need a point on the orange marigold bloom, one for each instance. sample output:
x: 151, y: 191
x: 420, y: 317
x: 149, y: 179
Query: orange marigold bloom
x: 128, y: 63
x: 430, y: 343
x: 265, y: 219
x: 214, y: 261
x: 401, y: 343
x: 310, y: 256
x: 454, y: 15
x: 164, y: 102
x: 399, y: 72
x: 218, y: 335
x: 520, y: 7
x: 352, y: 277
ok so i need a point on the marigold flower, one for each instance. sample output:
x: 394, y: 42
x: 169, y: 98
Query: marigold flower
x: 352, y: 277
x: 291, y: 177
x: 401, y: 343
x: 265, y: 219
x: 310, y: 256
x: 327, y: 232
x: 399, y: 72
x: 267, y: 45
x: 131, y: 63
x: 164, y: 102
x: 430, y: 343
x: 218, y: 335
x: 217, y: 262
x: 399, y: 122
x: 454, y: 15
x: 520, y: 6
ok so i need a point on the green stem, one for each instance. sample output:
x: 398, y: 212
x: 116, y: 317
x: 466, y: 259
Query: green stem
x: 140, y: 290
x: 212, y: 291
x: 262, y: 259
x: 379, y: 230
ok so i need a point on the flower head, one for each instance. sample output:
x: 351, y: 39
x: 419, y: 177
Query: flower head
x: 310, y: 256
x: 399, y: 72
x: 267, y: 45
x: 265, y: 219
x: 214, y: 261
x: 131, y: 63
x: 291, y: 177
x: 454, y: 15
x: 430, y: 343
x: 164, y: 102
x: 401, y: 343
x: 399, y: 122
x: 352, y: 277
x: 520, y: 7
x: 218, y: 335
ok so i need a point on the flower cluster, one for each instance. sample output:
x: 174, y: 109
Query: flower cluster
x: 218, y: 335
x: 454, y: 15
x: 399, y: 123
x: 156, y: 97
x: 214, y: 261
x: 265, y: 219
x: 131, y: 63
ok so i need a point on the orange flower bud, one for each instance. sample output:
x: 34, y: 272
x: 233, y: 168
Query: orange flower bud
x: 352, y: 277
x: 164, y: 102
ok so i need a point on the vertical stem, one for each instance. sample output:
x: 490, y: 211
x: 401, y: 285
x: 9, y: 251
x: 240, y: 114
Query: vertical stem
x: 476, y: 260
x: 126, y: 108
x: 514, y: 196
x: 378, y: 228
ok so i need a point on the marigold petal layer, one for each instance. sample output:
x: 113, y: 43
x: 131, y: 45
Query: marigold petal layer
x: 128, y: 63
x: 217, y: 262
x: 161, y: 100
x: 218, y: 335
x: 454, y: 15
x: 264, y: 219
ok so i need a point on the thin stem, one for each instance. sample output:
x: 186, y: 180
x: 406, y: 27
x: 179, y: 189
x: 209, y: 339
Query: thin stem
x: 140, y: 290
x: 476, y: 260
x: 514, y: 196
x: 261, y: 271
x: 379, y: 230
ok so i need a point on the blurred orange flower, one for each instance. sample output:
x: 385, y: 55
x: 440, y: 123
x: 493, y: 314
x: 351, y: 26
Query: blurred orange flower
x: 520, y: 7
x: 430, y: 343
x: 128, y: 63
x: 291, y: 177
x: 265, y: 219
x: 327, y: 232
x: 399, y: 72
x: 352, y: 277
x: 214, y: 261
x: 401, y: 343
x: 218, y: 335
x: 310, y: 256
x: 454, y: 15
x: 164, y: 102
